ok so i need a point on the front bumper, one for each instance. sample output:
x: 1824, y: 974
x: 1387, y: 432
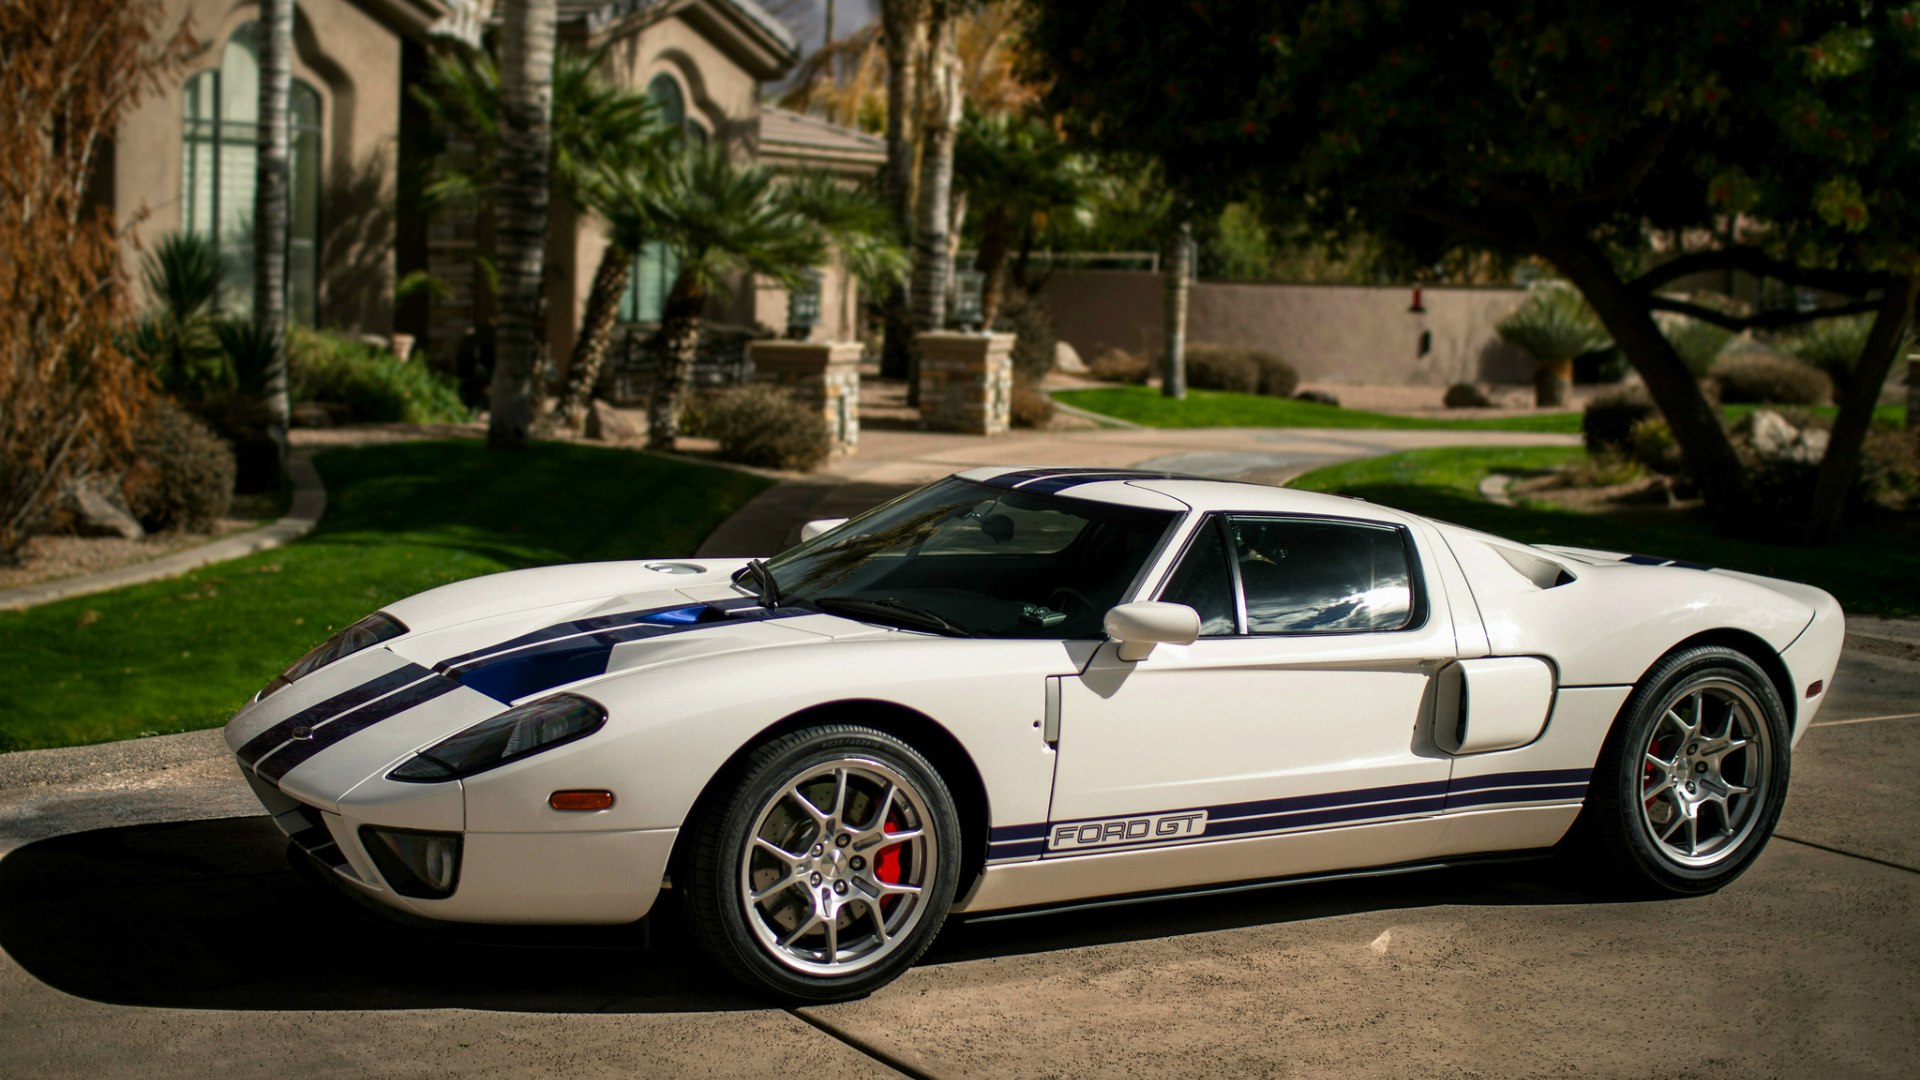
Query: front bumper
x: 571, y: 877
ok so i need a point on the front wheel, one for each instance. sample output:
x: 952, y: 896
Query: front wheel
x: 1691, y: 780
x: 829, y: 869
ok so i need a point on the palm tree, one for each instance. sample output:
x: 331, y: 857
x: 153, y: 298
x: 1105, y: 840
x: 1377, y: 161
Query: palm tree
x: 903, y: 28
x: 1176, y: 270
x: 1554, y: 326
x: 720, y: 219
x: 521, y: 191
x: 940, y: 110
x: 1018, y: 170
x: 270, y: 195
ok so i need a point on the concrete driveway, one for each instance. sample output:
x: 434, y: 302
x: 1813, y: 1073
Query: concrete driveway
x: 151, y: 926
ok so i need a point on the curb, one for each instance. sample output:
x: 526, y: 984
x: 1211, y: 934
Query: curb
x: 309, y: 502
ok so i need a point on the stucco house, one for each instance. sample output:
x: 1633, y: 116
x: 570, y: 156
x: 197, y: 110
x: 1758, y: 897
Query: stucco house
x: 184, y: 160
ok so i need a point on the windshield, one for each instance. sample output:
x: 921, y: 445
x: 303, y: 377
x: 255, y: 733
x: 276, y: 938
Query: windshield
x: 965, y: 558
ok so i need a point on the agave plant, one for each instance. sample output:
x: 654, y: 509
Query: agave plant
x: 1554, y: 326
x: 1835, y: 345
x: 1698, y: 343
x: 182, y: 275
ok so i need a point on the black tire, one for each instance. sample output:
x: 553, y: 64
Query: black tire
x: 1656, y: 791
x: 830, y: 804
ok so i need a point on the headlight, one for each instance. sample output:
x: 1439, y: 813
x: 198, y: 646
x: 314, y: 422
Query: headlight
x: 525, y: 729
x: 365, y: 634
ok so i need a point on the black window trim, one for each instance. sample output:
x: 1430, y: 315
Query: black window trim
x: 1418, y: 612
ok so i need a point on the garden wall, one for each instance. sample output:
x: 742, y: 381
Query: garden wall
x: 1331, y: 333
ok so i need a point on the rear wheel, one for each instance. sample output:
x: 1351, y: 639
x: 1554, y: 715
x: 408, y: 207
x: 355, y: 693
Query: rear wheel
x: 829, y: 869
x: 1692, y: 778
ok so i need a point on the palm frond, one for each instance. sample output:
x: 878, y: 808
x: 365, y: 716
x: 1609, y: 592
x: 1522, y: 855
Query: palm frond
x: 183, y: 273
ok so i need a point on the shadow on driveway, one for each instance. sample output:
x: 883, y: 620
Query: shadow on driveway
x: 211, y: 915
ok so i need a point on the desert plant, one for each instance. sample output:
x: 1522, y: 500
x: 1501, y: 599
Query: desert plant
x: 182, y: 476
x: 1217, y: 367
x: 1554, y: 326
x: 1121, y: 366
x: 1751, y: 376
x: 1697, y: 342
x: 764, y: 425
x: 1834, y: 345
x: 1030, y: 406
x: 175, y: 335
x: 71, y: 391
x: 1608, y: 423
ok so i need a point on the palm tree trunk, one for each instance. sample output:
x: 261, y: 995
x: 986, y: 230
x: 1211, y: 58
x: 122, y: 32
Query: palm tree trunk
x: 675, y: 350
x: 270, y: 194
x: 596, y: 334
x: 1174, y: 271
x: 521, y: 195
x: 996, y: 239
x: 902, y: 23
x: 940, y: 123
x: 1842, y: 462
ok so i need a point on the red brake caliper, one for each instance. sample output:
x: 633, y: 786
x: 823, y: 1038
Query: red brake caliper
x: 886, y: 865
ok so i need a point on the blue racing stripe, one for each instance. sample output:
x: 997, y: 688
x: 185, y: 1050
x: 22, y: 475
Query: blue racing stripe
x: 294, y: 753
x: 316, y: 714
x: 677, y: 614
x: 1547, y: 793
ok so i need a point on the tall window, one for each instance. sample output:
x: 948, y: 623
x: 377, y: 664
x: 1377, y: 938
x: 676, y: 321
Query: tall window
x: 656, y: 266
x: 221, y: 136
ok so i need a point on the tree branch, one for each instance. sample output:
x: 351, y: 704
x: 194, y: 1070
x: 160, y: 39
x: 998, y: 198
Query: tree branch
x: 1766, y: 320
x: 1760, y: 265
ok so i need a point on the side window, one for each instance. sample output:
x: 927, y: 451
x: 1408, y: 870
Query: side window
x: 1204, y: 582
x: 1307, y: 576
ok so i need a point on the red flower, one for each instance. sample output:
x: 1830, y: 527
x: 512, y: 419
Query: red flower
x: 1604, y: 42
x: 1812, y: 118
x: 1248, y: 128
x: 1786, y: 28
x: 1273, y: 40
x: 1721, y: 194
x: 1836, y: 134
x: 1853, y: 213
x: 1198, y: 9
x: 1393, y: 59
x: 1579, y: 138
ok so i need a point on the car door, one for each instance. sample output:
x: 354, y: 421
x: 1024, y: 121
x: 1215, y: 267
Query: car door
x: 1305, y: 703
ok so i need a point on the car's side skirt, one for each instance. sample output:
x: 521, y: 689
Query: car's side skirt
x: 1116, y: 873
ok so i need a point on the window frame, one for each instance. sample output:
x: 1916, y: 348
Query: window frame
x: 1419, y: 611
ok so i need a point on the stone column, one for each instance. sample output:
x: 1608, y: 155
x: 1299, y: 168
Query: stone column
x: 966, y: 382
x: 824, y: 374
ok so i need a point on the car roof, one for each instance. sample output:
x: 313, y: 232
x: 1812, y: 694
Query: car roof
x: 1205, y: 494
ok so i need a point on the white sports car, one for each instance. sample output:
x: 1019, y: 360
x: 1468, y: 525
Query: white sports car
x: 1017, y: 689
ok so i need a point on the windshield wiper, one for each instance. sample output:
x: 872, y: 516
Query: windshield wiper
x: 888, y: 608
x: 766, y: 590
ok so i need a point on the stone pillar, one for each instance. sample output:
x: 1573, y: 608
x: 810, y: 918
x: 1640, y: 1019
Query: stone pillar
x: 966, y: 382
x: 824, y: 374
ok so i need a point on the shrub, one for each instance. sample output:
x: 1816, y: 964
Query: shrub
x: 1216, y: 367
x: 368, y: 385
x: 1030, y: 406
x: 1890, y: 471
x: 1120, y: 366
x: 1834, y: 346
x: 1465, y: 395
x: 1277, y: 377
x: 1651, y: 443
x: 182, y: 477
x: 246, y: 423
x: 1753, y: 376
x: 1610, y: 418
x: 1026, y: 317
x: 763, y: 425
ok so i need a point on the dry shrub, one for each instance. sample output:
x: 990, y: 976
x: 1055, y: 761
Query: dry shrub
x: 1121, y: 366
x: 182, y: 475
x: 1031, y: 406
x: 1239, y: 370
x: 1762, y: 378
x: 1466, y: 395
x: 1610, y: 418
x: 763, y: 425
x: 71, y: 394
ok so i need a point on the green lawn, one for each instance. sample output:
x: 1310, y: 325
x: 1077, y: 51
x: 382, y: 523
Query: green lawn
x: 1216, y: 408
x: 184, y: 654
x: 1213, y: 408
x: 1871, y: 569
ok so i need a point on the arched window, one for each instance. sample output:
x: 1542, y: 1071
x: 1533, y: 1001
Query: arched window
x: 222, y: 133
x: 656, y: 266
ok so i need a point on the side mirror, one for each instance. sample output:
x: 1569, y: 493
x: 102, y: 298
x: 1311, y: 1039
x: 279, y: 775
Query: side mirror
x: 814, y: 528
x: 1139, y: 626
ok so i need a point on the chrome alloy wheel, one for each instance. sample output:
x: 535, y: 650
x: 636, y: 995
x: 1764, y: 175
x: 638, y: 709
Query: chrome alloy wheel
x: 1705, y: 771
x: 833, y: 876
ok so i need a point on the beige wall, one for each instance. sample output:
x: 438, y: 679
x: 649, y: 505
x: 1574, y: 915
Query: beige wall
x: 353, y: 61
x: 1330, y: 333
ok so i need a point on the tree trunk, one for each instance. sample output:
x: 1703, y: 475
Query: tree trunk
x: 272, y: 184
x: 596, y: 334
x: 1842, y: 462
x: 520, y: 195
x: 996, y: 239
x: 675, y: 349
x: 1695, y: 422
x: 1552, y: 383
x: 902, y: 24
x: 940, y: 125
x: 1174, y: 272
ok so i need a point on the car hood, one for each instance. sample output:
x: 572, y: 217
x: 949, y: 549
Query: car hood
x: 471, y: 652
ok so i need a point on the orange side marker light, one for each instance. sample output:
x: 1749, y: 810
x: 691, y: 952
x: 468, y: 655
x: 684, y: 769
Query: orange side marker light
x: 585, y: 799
